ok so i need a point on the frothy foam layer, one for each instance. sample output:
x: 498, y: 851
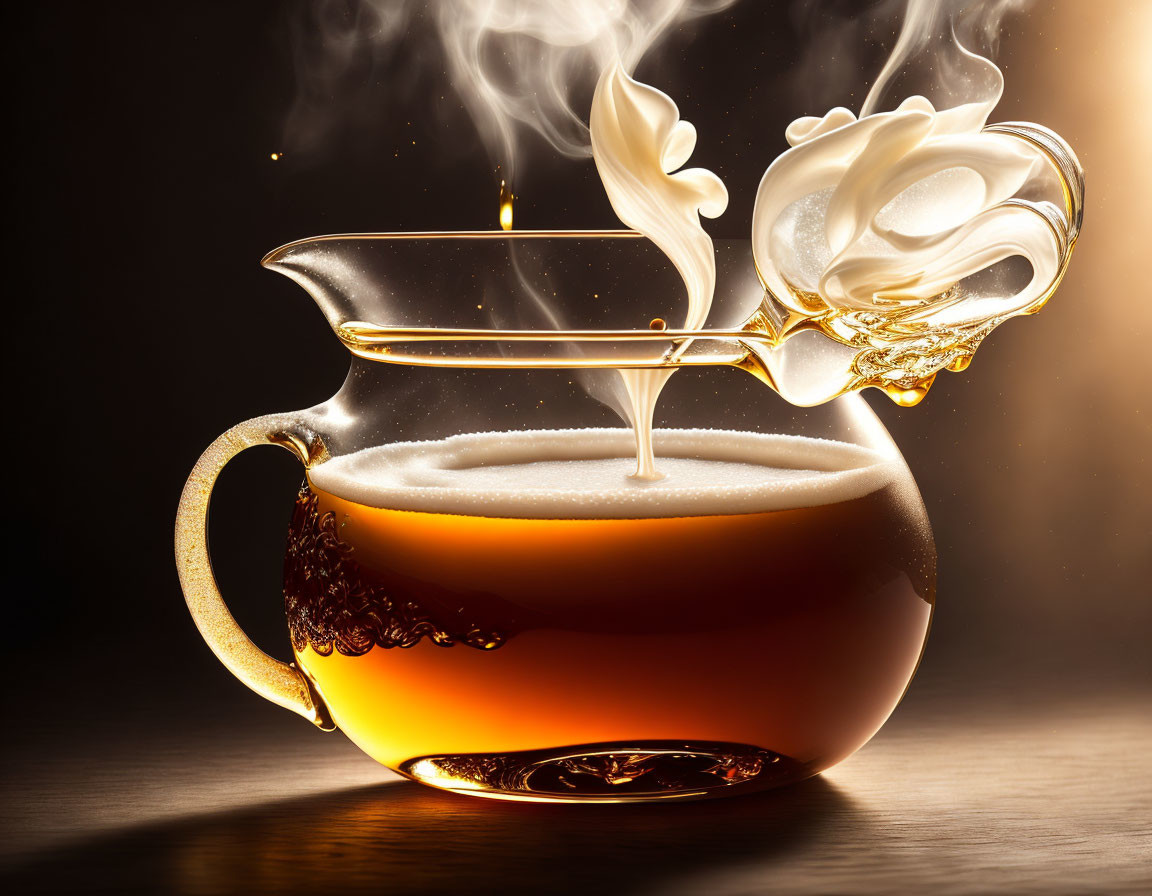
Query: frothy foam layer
x: 584, y: 474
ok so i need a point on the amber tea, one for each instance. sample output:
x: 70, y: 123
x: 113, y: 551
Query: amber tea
x: 510, y: 614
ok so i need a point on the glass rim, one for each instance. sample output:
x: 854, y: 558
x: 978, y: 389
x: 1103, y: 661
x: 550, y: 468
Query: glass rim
x: 272, y: 257
x: 415, y: 345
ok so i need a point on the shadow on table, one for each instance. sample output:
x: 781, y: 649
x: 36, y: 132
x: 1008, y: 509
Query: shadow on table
x: 404, y: 838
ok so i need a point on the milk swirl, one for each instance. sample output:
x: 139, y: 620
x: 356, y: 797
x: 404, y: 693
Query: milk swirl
x: 901, y: 223
x: 639, y: 142
x: 889, y: 229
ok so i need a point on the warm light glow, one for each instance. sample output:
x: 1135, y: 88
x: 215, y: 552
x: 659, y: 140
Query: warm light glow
x: 506, y: 198
x: 276, y: 157
x: 428, y: 771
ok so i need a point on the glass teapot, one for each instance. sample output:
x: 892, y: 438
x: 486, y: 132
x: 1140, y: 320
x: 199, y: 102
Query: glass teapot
x: 485, y: 599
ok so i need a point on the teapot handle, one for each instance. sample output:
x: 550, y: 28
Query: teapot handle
x: 282, y: 683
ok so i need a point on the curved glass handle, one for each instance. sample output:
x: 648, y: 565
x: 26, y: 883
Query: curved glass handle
x: 282, y: 683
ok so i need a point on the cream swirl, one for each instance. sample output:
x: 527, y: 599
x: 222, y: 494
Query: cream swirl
x: 639, y: 142
x: 890, y: 211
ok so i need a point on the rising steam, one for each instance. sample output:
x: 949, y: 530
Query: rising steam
x: 517, y: 64
x: 934, y: 55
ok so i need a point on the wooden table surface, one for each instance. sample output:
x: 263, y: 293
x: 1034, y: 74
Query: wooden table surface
x: 952, y: 796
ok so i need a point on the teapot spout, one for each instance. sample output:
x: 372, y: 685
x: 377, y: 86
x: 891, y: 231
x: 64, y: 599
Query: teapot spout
x: 528, y: 280
x: 331, y: 272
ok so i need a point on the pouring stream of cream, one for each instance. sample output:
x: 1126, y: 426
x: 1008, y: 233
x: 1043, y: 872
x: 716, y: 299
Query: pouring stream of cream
x: 639, y: 142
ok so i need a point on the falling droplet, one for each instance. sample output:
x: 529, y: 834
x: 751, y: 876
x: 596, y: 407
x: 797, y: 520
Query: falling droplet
x: 506, y: 198
x: 906, y: 397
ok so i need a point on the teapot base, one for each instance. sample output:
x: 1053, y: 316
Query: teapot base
x: 612, y: 772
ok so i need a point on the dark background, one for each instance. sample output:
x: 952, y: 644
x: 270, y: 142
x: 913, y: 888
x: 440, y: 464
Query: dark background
x: 141, y: 196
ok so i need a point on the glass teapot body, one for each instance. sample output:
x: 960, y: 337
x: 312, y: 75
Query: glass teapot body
x: 483, y: 597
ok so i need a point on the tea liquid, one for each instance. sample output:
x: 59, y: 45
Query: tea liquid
x: 549, y: 628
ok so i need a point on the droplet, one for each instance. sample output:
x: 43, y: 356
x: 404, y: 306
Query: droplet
x: 908, y: 396
x: 658, y: 323
x: 506, y: 198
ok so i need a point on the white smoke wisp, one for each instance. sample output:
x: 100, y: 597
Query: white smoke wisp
x: 934, y: 55
x: 531, y: 63
x: 517, y: 65
x: 926, y: 58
